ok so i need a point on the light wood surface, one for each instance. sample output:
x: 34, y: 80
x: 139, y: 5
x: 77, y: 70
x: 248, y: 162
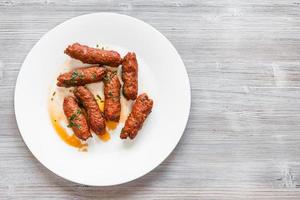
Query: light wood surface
x: 242, y: 140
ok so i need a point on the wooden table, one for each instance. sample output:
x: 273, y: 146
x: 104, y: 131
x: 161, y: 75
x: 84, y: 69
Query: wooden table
x: 242, y: 140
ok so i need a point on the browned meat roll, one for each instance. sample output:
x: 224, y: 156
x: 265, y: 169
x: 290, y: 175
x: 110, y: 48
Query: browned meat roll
x: 94, y: 115
x: 93, y: 56
x: 130, y: 76
x: 76, y: 118
x: 81, y: 76
x: 112, y: 104
x: 140, y: 110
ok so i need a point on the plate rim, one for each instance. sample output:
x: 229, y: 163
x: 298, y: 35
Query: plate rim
x: 17, y: 116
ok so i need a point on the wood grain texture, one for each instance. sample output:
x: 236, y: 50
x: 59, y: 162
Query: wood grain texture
x: 242, y: 140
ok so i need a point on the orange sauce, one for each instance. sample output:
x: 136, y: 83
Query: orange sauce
x: 100, y: 104
x: 105, y: 137
x: 124, y: 112
x: 111, y: 125
x: 71, y: 140
x: 57, y: 117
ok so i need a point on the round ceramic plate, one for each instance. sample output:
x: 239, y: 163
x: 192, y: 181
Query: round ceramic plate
x: 162, y: 75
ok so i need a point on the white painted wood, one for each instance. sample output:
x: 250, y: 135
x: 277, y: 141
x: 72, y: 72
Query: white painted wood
x: 243, y: 136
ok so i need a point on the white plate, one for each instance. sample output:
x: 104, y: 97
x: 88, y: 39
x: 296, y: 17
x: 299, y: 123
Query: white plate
x: 162, y: 75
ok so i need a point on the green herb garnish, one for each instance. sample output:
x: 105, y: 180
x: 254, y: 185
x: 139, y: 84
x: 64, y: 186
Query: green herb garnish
x: 53, y: 93
x: 72, y: 118
x: 110, y: 94
x: 100, y: 99
x: 106, y: 78
x: 72, y: 124
x: 81, y: 76
x: 74, y: 76
x: 94, y: 75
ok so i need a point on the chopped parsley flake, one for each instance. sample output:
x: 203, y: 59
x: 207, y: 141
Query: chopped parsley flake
x: 110, y: 94
x: 114, y: 72
x: 72, y: 118
x: 94, y: 75
x: 72, y: 124
x: 74, y: 76
x: 106, y: 78
x: 81, y: 76
x: 100, y: 99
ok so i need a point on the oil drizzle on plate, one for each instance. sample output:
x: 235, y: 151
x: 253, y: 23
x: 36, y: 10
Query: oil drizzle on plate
x: 100, y: 104
x: 111, y: 125
x: 105, y: 137
x: 57, y: 118
x: 71, y: 140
